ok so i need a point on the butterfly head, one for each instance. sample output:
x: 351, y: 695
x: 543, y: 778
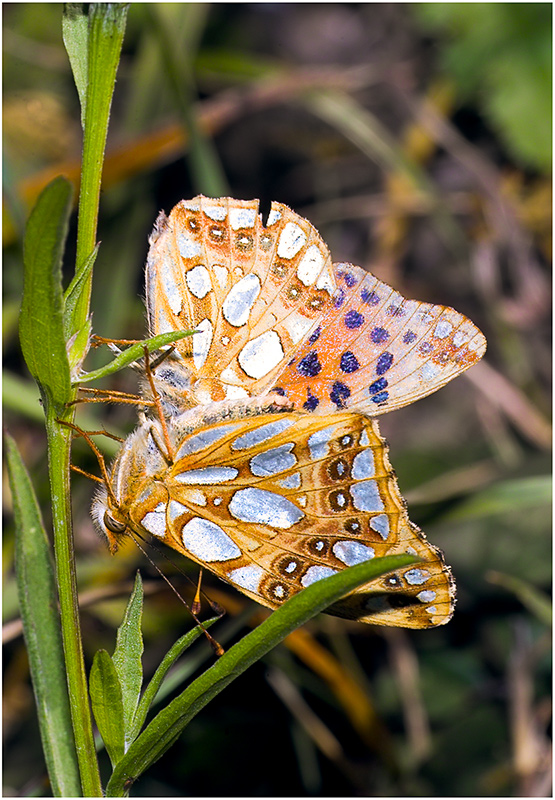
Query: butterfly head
x: 108, y: 519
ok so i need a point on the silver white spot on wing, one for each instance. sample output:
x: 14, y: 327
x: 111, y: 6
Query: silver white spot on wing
x: 416, y: 576
x: 238, y: 303
x: 207, y: 541
x: 188, y: 248
x: 273, y: 217
x: 265, y: 508
x: 326, y: 281
x: 351, y: 553
x: 262, y: 434
x: 364, y: 438
x: 363, y: 465
x: 242, y: 218
x: 460, y: 338
x: 201, y: 342
x: 297, y: 326
x: 234, y: 392
x: 207, y: 475
x: 155, y: 521
x: 426, y: 596
x: 316, y: 573
x: 270, y: 462
x: 310, y: 265
x: 259, y: 356
x: 291, y: 481
x: 366, y: 496
x: 198, y: 281
x: 176, y: 509
x: 380, y: 524
x: 318, y: 442
x: 204, y: 439
x: 217, y: 213
x: 291, y: 239
x: 443, y: 329
x: 247, y: 577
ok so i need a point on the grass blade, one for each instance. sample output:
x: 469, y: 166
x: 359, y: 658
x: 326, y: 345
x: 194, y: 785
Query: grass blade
x: 41, y: 628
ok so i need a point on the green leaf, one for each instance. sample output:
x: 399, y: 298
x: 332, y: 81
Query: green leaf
x: 75, y: 290
x: 133, y: 353
x: 75, y: 34
x: 41, y: 328
x: 166, y: 727
x: 105, y: 37
x: 127, y: 656
x: 536, y: 601
x: 505, y: 497
x: 107, y: 704
x: 169, y: 659
x: 41, y: 628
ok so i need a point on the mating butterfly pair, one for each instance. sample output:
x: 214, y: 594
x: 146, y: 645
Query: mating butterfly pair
x: 267, y: 467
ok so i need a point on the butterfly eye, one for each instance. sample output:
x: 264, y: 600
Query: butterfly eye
x: 112, y: 524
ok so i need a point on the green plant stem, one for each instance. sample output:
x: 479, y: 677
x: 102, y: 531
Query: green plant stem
x: 107, y: 26
x: 59, y: 443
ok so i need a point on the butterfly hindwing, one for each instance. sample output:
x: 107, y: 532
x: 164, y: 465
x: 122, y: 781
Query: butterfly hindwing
x: 273, y: 503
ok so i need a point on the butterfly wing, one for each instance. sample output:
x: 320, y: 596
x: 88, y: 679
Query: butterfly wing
x: 375, y: 352
x: 250, y: 292
x: 271, y: 313
x: 273, y: 503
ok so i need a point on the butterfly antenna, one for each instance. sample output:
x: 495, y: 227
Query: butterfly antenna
x: 216, y: 646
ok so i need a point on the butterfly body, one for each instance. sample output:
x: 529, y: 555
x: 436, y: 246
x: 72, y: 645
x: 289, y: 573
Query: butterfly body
x: 273, y: 473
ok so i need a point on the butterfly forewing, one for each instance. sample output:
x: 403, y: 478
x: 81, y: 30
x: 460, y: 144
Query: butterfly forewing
x: 376, y: 352
x: 250, y: 292
x: 273, y: 503
x: 271, y: 313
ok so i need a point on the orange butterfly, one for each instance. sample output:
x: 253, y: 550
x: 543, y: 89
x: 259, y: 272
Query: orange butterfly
x: 267, y: 467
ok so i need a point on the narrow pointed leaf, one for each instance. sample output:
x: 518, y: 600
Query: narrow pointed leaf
x: 156, y: 681
x: 74, y: 291
x: 75, y: 34
x: 133, y: 353
x: 127, y: 655
x: 41, y: 629
x: 107, y: 704
x: 41, y: 328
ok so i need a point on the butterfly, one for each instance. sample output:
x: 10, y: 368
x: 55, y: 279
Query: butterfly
x: 266, y: 465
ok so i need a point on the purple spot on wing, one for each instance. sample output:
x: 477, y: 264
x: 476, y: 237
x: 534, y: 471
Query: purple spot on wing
x: 353, y: 319
x: 339, y: 299
x: 370, y: 298
x: 384, y: 363
x: 339, y: 394
x: 309, y: 366
x: 312, y: 402
x: 349, y: 362
x: 379, y: 335
x: 409, y: 337
x: 381, y: 397
x: 377, y: 386
x: 315, y: 335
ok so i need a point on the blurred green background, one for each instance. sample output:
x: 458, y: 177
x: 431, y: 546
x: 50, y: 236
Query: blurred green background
x: 417, y: 139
